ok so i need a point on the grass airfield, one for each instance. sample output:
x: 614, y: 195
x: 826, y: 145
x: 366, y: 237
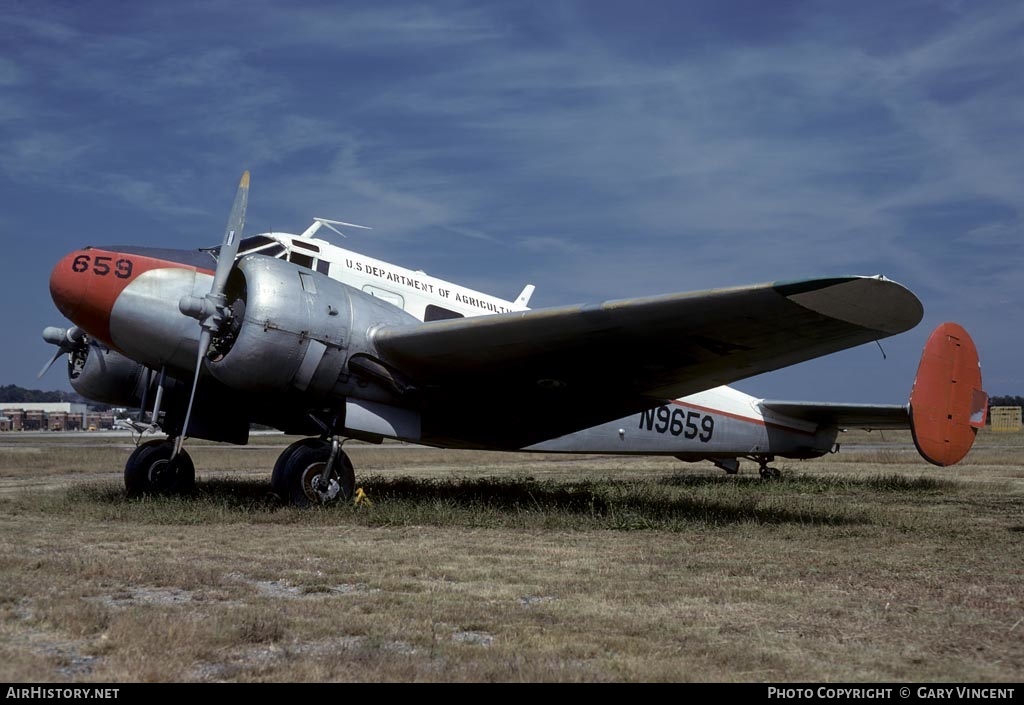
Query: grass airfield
x: 869, y: 565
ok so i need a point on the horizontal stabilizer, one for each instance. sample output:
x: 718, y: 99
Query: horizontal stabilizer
x: 869, y: 417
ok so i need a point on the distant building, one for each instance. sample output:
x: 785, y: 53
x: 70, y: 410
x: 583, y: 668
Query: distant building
x: 1005, y: 418
x: 35, y: 420
x: 52, y: 416
x: 16, y: 419
x: 96, y: 420
x: 48, y: 407
x: 57, y: 420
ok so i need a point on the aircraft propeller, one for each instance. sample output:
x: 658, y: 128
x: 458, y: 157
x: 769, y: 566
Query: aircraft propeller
x: 211, y: 310
x: 67, y: 341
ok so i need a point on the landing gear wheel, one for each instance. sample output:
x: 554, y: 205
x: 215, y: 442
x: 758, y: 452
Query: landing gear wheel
x: 768, y: 473
x: 282, y: 460
x: 150, y: 470
x: 298, y: 475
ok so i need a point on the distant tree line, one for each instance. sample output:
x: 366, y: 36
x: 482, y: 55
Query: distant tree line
x: 14, y: 393
x: 1006, y: 401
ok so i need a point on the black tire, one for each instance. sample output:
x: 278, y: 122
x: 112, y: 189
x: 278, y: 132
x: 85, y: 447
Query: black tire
x: 298, y: 470
x: 149, y: 470
x: 278, y: 479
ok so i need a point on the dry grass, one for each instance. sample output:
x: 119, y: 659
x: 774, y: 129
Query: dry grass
x: 866, y: 566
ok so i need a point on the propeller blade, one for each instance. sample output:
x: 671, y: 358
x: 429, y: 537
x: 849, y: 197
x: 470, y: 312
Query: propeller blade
x: 48, y: 365
x: 232, y: 234
x: 209, y: 309
x: 204, y: 344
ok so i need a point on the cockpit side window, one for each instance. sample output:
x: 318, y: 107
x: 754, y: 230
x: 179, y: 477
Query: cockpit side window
x: 300, y: 259
x: 258, y: 244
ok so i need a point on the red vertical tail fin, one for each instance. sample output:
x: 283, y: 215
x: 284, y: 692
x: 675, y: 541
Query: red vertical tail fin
x: 947, y: 403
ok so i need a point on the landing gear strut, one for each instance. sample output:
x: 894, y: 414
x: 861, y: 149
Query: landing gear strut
x: 767, y: 473
x: 150, y: 470
x: 313, y: 471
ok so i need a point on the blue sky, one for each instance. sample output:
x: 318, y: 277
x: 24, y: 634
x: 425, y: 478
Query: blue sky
x: 596, y: 149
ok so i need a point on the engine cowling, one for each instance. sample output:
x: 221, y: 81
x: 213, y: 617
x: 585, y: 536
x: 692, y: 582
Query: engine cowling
x: 293, y: 328
x: 106, y: 376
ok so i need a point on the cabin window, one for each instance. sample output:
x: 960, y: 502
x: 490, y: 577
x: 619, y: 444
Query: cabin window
x: 438, y: 313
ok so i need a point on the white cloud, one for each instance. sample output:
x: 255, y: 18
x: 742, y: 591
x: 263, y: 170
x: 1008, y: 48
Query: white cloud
x: 45, y: 29
x: 38, y: 154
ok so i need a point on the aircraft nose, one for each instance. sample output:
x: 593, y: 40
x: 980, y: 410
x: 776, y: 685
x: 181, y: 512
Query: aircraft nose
x: 67, y: 287
x: 84, y: 287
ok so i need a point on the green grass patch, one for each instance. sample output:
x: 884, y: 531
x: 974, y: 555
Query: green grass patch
x: 666, y: 503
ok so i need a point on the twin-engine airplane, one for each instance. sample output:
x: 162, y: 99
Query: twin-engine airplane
x: 292, y: 332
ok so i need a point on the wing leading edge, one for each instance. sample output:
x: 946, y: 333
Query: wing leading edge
x: 513, y: 379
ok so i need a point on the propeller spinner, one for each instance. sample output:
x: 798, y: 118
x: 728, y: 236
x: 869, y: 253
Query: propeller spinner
x: 67, y: 340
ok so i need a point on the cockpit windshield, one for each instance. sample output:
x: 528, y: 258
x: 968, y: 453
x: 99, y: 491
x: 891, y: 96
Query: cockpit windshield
x: 260, y: 244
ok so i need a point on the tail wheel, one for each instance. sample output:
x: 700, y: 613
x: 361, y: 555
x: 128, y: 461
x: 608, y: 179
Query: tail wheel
x: 150, y: 470
x: 766, y: 472
x: 298, y: 477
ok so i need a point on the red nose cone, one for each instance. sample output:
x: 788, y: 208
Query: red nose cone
x: 84, y: 286
x: 67, y: 287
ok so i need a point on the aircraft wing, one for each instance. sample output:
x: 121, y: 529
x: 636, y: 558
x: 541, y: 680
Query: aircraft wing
x: 866, y: 416
x: 514, y: 379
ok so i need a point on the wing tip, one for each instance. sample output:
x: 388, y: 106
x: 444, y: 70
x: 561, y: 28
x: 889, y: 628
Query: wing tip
x: 872, y: 302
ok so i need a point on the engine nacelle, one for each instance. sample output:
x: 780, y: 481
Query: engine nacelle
x: 106, y: 376
x: 296, y: 329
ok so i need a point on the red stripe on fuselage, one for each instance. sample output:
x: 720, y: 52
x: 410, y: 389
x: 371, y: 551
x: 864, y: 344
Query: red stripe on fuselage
x: 86, y: 283
x: 747, y: 419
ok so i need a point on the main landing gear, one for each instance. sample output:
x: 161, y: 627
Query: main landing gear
x: 313, y: 471
x: 309, y: 472
x: 150, y: 470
